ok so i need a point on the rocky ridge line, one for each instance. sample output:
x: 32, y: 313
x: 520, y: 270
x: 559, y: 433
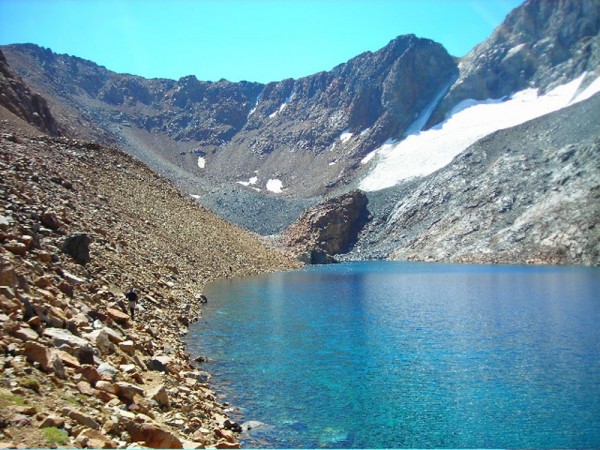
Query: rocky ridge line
x: 77, y: 371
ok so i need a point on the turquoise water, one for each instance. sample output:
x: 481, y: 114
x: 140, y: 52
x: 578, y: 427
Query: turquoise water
x: 384, y: 354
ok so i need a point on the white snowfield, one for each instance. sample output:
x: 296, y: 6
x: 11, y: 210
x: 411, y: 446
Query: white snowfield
x: 274, y: 185
x: 201, y: 162
x: 422, y: 153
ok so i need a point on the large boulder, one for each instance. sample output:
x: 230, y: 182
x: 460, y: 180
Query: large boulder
x: 329, y: 228
x: 77, y: 245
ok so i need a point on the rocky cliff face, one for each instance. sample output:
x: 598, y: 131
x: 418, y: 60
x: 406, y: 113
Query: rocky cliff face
x: 529, y: 194
x: 540, y: 44
x: 328, y: 229
x: 310, y: 133
x: 18, y: 99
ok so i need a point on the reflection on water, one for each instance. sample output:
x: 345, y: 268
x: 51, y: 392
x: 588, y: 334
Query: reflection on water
x: 410, y: 355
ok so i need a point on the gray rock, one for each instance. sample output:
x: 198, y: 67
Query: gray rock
x: 61, y: 336
x: 198, y: 375
x: 77, y: 245
x: 105, y: 369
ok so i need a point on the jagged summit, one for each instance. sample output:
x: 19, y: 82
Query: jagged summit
x: 541, y: 44
x: 322, y: 124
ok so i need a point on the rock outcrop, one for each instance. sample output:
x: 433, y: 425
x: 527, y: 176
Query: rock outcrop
x: 541, y: 44
x: 17, y: 98
x: 529, y: 194
x: 328, y: 229
x: 76, y: 370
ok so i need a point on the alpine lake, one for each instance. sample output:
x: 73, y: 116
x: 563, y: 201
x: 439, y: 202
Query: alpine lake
x: 399, y: 354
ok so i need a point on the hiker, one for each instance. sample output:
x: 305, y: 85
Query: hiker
x: 132, y: 299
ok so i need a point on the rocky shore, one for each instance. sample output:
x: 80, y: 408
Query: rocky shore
x: 77, y: 371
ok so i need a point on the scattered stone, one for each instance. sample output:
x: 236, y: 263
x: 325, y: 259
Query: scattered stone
x: 102, y: 341
x: 127, y: 391
x: 52, y: 421
x: 233, y: 426
x: 67, y: 359
x: 153, y: 436
x: 106, y: 371
x: 90, y: 374
x: 85, y: 388
x: 49, y: 361
x: 118, y: 316
x: 26, y: 334
x: 81, y: 418
x: 49, y: 219
x: 92, y: 438
x: 105, y: 386
x: 159, y: 363
x: 61, y: 337
x: 18, y: 248
x: 25, y: 410
x: 128, y: 347
x: 159, y: 394
x: 198, y: 375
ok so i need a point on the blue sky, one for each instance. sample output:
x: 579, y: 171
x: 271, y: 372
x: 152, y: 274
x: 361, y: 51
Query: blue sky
x: 254, y: 40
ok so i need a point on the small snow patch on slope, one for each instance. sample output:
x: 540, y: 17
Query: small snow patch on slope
x: 345, y: 136
x: 201, y: 162
x: 423, y: 153
x: 274, y: 185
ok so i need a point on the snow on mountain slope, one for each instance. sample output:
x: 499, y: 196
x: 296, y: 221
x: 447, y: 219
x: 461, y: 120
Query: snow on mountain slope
x: 423, y: 153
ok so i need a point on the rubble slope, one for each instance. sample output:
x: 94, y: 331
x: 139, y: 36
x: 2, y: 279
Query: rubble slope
x: 77, y: 371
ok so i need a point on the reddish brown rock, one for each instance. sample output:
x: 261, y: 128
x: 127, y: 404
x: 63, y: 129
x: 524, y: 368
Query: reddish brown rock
x: 49, y: 361
x: 118, y: 316
x: 81, y: 418
x: 127, y: 391
x: 52, y: 421
x: 159, y: 394
x: 92, y: 438
x: 153, y: 436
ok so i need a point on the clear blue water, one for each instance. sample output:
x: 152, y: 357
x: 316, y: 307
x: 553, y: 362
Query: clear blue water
x: 383, y: 355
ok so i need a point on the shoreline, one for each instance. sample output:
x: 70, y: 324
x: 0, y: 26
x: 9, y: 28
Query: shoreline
x: 77, y: 371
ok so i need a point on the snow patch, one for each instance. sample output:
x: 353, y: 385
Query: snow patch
x: 284, y: 104
x: 514, y: 50
x: 589, y: 91
x: 253, y: 110
x: 385, y: 146
x: 201, y: 162
x: 345, y: 136
x: 425, y: 114
x: 274, y: 185
x: 423, y: 153
x: 251, y: 181
x: 365, y: 131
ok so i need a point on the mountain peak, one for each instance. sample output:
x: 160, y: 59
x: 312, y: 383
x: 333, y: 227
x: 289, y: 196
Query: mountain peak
x: 541, y: 44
